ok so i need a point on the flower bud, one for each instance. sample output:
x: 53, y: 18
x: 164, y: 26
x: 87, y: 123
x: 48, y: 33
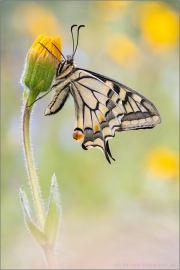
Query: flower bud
x: 40, y: 65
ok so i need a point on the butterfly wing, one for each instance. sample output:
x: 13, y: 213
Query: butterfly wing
x: 139, y: 112
x: 99, y: 111
x: 58, y: 100
x: 104, y: 106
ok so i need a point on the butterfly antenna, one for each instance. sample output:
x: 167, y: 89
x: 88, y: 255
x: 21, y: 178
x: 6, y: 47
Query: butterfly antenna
x: 82, y: 25
x: 59, y: 51
x: 48, y: 50
x: 72, y: 35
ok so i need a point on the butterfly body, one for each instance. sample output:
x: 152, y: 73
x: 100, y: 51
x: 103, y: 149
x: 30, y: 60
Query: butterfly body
x: 102, y: 105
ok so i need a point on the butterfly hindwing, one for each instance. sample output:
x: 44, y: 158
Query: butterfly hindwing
x: 99, y: 111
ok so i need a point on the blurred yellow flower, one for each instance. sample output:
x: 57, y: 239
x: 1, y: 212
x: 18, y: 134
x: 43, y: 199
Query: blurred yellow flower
x: 35, y: 19
x: 109, y: 10
x: 163, y: 163
x: 160, y: 26
x: 122, y: 49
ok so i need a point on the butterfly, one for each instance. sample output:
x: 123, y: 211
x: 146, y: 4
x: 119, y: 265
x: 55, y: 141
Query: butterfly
x: 102, y: 105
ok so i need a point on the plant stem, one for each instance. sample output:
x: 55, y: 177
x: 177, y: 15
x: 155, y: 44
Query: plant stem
x: 50, y: 257
x: 48, y: 250
x: 31, y: 168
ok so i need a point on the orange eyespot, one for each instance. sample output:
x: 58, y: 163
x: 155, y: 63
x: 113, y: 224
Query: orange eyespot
x: 78, y: 135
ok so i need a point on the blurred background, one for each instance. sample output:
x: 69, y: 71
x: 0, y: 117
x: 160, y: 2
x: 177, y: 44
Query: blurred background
x: 118, y: 216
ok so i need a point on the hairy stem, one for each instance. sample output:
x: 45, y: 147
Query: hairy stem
x: 31, y: 168
x: 48, y: 250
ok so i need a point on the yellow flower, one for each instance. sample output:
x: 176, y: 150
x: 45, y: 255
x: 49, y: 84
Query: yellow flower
x: 40, y: 65
x: 109, y: 10
x: 34, y: 18
x: 160, y: 26
x: 37, y: 50
x: 122, y: 49
x: 163, y: 163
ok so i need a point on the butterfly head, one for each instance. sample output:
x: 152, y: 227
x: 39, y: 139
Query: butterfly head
x: 69, y: 59
x: 67, y: 64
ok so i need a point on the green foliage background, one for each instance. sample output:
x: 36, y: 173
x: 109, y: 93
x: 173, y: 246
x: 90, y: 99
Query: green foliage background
x: 114, y: 216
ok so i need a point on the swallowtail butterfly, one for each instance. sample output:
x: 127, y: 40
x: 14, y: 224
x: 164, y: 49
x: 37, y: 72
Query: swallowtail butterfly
x: 102, y: 105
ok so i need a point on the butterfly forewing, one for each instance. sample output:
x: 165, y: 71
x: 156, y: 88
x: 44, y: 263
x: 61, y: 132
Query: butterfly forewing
x: 139, y: 112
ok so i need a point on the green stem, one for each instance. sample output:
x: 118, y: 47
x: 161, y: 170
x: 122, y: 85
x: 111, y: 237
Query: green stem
x: 48, y: 250
x: 31, y: 169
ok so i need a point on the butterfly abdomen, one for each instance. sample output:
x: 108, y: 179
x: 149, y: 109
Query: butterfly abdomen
x: 61, y: 87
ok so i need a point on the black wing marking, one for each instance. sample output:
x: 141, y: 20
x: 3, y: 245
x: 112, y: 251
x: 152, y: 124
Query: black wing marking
x: 139, y: 112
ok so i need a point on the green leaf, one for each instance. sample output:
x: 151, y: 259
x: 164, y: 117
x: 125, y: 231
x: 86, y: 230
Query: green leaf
x: 34, y: 230
x: 53, y: 214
